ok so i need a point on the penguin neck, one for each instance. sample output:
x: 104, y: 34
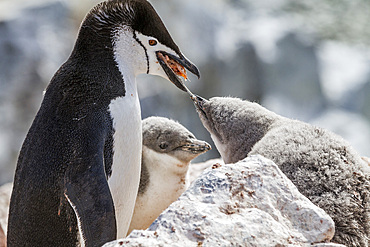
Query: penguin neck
x: 128, y: 53
x: 221, y: 148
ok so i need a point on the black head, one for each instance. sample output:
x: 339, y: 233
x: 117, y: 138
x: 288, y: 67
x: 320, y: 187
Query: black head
x: 136, y: 38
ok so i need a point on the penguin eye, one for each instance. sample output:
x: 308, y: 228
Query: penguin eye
x: 163, y: 145
x: 152, y: 42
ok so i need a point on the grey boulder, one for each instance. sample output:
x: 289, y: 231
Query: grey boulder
x: 250, y: 203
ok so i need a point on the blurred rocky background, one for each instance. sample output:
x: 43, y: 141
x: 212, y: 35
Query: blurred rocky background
x: 304, y: 59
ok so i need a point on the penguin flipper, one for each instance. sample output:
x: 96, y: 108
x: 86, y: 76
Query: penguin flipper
x: 87, y: 191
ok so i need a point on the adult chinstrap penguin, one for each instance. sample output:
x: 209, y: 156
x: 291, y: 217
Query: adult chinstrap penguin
x: 78, y: 172
x: 168, y: 148
x: 322, y: 165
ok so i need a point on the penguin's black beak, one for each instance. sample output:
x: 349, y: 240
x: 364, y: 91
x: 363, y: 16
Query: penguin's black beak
x: 175, y: 67
x: 199, y: 102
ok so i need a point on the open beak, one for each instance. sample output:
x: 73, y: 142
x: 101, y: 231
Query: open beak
x: 196, y: 147
x: 175, y: 67
x: 199, y: 102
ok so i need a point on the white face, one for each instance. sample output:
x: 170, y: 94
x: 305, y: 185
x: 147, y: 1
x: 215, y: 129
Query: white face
x: 137, y: 53
x: 152, y: 45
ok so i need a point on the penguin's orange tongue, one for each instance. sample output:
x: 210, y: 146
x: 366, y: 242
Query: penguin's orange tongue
x: 176, y: 68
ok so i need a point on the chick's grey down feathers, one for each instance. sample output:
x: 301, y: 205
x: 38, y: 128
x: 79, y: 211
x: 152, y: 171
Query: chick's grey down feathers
x: 322, y: 165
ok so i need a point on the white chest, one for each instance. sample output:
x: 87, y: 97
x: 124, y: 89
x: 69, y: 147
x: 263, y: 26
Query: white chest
x: 125, y: 178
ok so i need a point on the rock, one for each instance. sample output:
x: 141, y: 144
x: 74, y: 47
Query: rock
x: 328, y: 245
x: 196, y: 169
x: 5, y: 192
x: 250, y: 203
x: 2, y: 238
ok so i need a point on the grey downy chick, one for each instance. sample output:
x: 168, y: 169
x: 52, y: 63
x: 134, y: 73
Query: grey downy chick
x: 168, y: 148
x: 322, y: 165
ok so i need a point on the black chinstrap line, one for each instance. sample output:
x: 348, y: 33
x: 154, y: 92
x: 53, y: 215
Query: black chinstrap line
x: 146, y: 52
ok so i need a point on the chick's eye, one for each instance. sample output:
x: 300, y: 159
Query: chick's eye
x: 152, y: 42
x: 163, y: 145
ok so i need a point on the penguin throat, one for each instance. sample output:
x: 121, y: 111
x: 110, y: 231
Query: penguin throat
x: 129, y: 54
x: 221, y: 147
x: 161, y: 163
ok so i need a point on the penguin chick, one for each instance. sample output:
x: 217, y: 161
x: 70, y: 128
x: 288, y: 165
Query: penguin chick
x: 168, y: 148
x: 322, y: 165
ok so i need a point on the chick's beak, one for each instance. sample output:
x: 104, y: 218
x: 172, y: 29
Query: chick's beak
x: 199, y: 104
x: 196, y: 147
